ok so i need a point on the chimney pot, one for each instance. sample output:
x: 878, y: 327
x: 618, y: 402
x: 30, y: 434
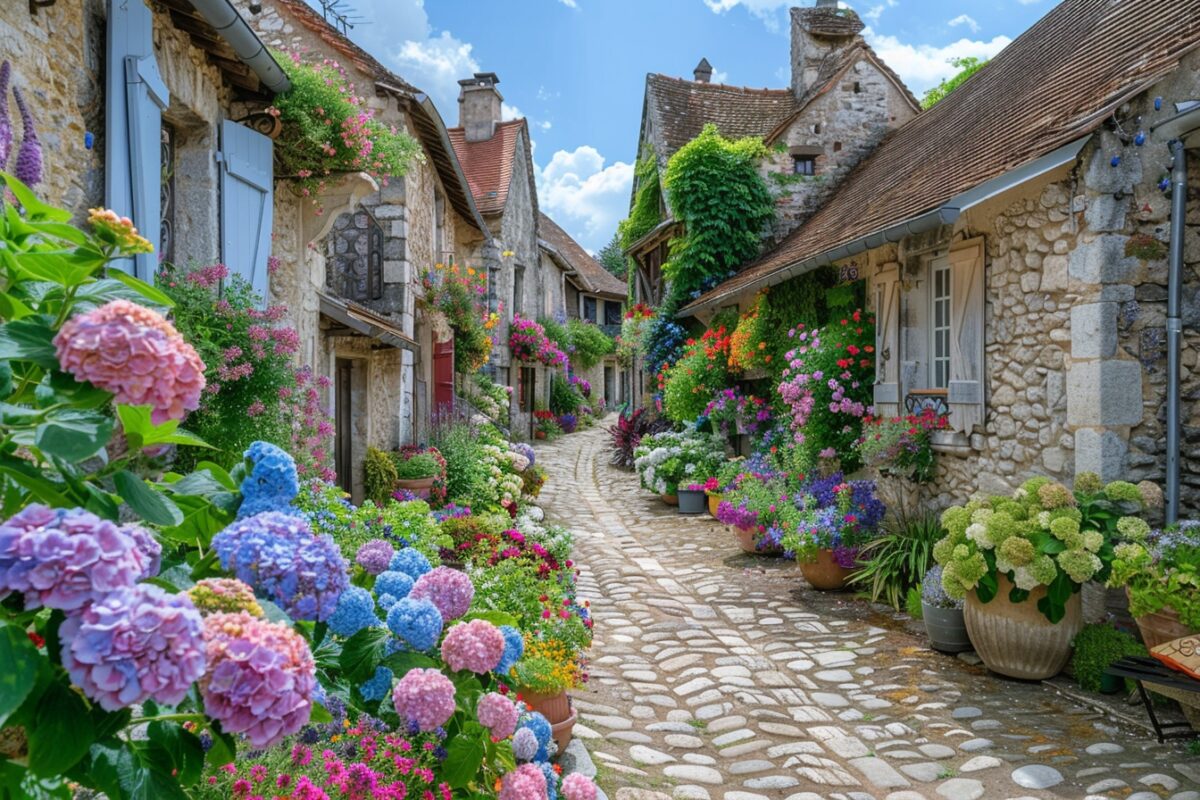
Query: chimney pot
x: 827, y: 4
x: 479, y: 106
x: 703, y: 72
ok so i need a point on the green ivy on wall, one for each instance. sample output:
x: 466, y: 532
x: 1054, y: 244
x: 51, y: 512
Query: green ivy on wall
x: 646, y: 213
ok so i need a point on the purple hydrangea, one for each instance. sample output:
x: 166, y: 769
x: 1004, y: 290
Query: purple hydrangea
x: 448, y: 589
x: 374, y: 556
x: 524, y: 744
x: 149, y: 547
x: 280, y: 557
x: 412, y: 563
x: 271, y: 482
x: 355, y: 611
x: 525, y: 449
x: 135, y: 644
x: 417, y: 622
x: 66, y: 558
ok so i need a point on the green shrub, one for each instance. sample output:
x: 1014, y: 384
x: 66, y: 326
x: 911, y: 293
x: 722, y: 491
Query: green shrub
x: 912, y: 603
x: 467, y: 470
x: 898, y: 559
x: 417, y: 467
x: 564, y: 398
x: 591, y: 344
x: 380, y: 476
x: 1096, y: 648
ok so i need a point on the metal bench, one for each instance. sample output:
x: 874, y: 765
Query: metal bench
x: 1143, y: 670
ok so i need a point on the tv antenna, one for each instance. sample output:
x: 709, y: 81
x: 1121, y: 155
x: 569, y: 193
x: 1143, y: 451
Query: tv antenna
x: 338, y: 14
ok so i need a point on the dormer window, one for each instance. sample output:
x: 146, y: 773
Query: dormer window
x: 804, y: 165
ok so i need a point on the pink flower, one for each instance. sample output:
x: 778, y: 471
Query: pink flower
x: 526, y: 782
x: 424, y: 696
x: 498, y: 714
x: 448, y: 589
x: 137, y: 355
x: 477, y: 645
x: 578, y: 787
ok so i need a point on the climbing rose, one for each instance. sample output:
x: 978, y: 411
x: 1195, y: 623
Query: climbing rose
x: 498, y: 714
x: 135, y: 644
x: 137, y: 355
x: 477, y: 645
x: 578, y: 787
x: 66, y: 558
x: 526, y: 782
x: 260, y: 679
x: 425, y: 697
x: 374, y: 556
x: 450, y: 590
x: 224, y: 596
x: 271, y: 483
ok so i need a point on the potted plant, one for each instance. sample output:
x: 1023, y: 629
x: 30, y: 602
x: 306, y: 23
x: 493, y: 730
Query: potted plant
x: 692, y: 499
x: 838, y: 518
x: 664, y: 460
x: 417, y: 472
x: 1020, y: 561
x: 545, y: 426
x: 713, y: 495
x: 943, y: 615
x: 1096, y: 648
x: 757, y: 510
x: 552, y: 665
x: 1160, y: 571
x: 901, y: 446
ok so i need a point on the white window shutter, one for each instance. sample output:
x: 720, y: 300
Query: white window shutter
x: 247, y: 180
x: 135, y: 97
x: 967, y: 315
x: 885, y: 299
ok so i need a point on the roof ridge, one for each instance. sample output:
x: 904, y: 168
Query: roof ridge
x: 730, y: 86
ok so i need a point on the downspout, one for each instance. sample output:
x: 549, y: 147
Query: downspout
x: 1175, y: 322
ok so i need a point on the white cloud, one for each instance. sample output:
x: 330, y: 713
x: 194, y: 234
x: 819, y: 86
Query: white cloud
x: 765, y: 10
x: 544, y: 124
x: 569, y: 3
x: 584, y: 195
x: 923, y: 66
x: 875, y: 12
x: 720, y: 76
x: 435, y: 65
x: 965, y: 19
x: 508, y: 112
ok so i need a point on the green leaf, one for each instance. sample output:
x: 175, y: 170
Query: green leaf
x: 362, y: 653
x: 987, y: 588
x: 142, y: 432
x: 62, y: 731
x: 223, y: 750
x: 401, y: 662
x: 28, y: 339
x: 1054, y: 604
x: 173, y: 750
x: 73, y: 435
x: 118, y: 771
x: 16, y: 783
x: 464, y: 757
x: 12, y: 308
x: 32, y: 480
x: 497, y: 618
x: 319, y: 714
x: 150, y: 504
x: 65, y: 267
x: 18, y: 669
x: 34, y: 208
x: 151, y: 293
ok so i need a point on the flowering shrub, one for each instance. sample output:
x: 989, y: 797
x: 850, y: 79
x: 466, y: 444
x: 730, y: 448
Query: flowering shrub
x: 491, y: 398
x: 748, y: 346
x: 1044, y: 535
x: 665, y: 460
x: 527, y: 341
x: 628, y: 342
x: 456, y: 298
x: 826, y: 387
x: 699, y: 374
x: 836, y: 515
x: 732, y: 410
x: 901, y: 446
x: 328, y: 128
x: 1161, y: 570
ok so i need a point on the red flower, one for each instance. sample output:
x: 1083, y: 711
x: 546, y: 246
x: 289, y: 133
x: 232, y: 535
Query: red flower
x: 37, y: 640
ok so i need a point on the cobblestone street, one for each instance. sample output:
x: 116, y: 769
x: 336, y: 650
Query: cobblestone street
x: 719, y: 675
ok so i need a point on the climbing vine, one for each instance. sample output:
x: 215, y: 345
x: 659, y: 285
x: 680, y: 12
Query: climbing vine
x: 646, y: 213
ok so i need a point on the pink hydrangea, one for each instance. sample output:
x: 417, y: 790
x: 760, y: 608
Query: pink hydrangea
x: 477, y: 645
x: 260, y: 677
x: 148, y: 546
x: 498, y: 714
x: 578, y: 787
x: 137, y: 355
x: 448, y: 589
x: 526, y: 782
x: 66, y: 558
x: 424, y: 696
x: 134, y: 644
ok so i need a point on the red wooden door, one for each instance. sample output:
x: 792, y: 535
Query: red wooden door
x: 443, y: 376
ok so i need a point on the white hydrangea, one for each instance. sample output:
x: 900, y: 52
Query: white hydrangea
x: 977, y: 533
x: 1023, y: 579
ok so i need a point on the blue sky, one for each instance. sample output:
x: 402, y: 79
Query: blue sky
x: 576, y: 68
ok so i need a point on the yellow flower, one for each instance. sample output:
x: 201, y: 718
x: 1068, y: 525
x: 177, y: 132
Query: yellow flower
x: 508, y: 254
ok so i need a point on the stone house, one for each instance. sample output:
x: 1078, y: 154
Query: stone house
x: 1015, y: 239
x: 843, y: 100
x: 591, y: 293
x: 142, y: 108
x: 350, y: 260
x: 497, y: 159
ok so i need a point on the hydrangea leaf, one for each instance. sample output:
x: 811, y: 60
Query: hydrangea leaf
x: 363, y: 652
x: 18, y: 669
x: 74, y: 435
x: 174, y: 750
x: 62, y: 731
x: 28, y: 339
x: 150, y: 504
x: 464, y: 756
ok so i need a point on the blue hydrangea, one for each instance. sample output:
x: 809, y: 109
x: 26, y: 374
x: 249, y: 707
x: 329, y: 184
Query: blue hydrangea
x: 417, y: 622
x: 524, y: 744
x: 378, y: 686
x: 540, y: 727
x: 514, y: 648
x: 412, y: 563
x: 551, y: 780
x: 271, y: 483
x: 386, y: 601
x: 355, y: 611
x: 397, y: 584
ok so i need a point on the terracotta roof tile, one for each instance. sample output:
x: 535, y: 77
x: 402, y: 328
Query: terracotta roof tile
x: 594, y: 276
x: 1057, y: 82
x: 488, y: 165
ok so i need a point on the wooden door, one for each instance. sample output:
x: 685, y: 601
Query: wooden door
x: 443, y: 376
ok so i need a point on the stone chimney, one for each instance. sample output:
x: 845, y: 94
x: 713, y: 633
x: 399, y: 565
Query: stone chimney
x: 703, y: 71
x: 819, y: 34
x: 479, y: 106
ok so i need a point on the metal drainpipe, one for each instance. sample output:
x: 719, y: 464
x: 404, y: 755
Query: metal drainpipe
x: 1174, y: 322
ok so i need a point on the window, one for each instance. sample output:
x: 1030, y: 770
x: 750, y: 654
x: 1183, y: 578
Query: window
x: 354, y: 256
x: 589, y: 309
x: 518, y: 289
x: 612, y: 312
x: 939, y: 274
x: 804, y: 165
x: 493, y: 289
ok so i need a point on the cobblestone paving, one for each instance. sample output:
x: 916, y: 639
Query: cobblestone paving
x: 720, y: 676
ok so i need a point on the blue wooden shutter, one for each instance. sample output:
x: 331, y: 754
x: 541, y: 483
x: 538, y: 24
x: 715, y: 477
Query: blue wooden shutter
x: 246, y: 198
x: 135, y: 97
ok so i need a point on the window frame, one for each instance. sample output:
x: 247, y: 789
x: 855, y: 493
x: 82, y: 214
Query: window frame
x: 810, y: 160
x: 939, y: 334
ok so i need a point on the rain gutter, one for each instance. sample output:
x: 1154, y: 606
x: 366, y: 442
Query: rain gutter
x: 230, y: 26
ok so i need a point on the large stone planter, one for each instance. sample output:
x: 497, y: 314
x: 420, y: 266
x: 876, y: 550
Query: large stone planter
x: 558, y: 711
x: 691, y: 502
x: 825, y: 573
x: 946, y: 628
x: 1015, y: 639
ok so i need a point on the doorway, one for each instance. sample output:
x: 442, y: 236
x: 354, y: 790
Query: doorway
x: 344, y: 439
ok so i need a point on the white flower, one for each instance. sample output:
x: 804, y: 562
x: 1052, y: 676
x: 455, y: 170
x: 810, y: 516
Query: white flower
x: 1023, y: 579
x: 977, y: 533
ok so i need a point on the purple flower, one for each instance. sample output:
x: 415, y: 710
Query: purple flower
x: 135, y: 644
x: 6, y: 131
x: 66, y: 558
x: 150, y: 548
x: 374, y: 556
x: 448, y: 589
x: 739, y: 516
x: 524, y: 745
x: 28, y: 169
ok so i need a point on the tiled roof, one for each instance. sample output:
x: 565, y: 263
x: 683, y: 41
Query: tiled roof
x: 679, y: 110
x: 594, y: 277
x: 1058, y: 81
x: 489, y: 164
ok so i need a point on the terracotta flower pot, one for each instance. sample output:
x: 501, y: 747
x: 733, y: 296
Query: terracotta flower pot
x: 1161, y: 627
x: 1015, y: 639
x: 421, y: 487
x: 670, y: 499
x: 539, y: 434
x: 714, y: 500
x: 825, y: 573
x: 745, y: 539
x: 558, y: 711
